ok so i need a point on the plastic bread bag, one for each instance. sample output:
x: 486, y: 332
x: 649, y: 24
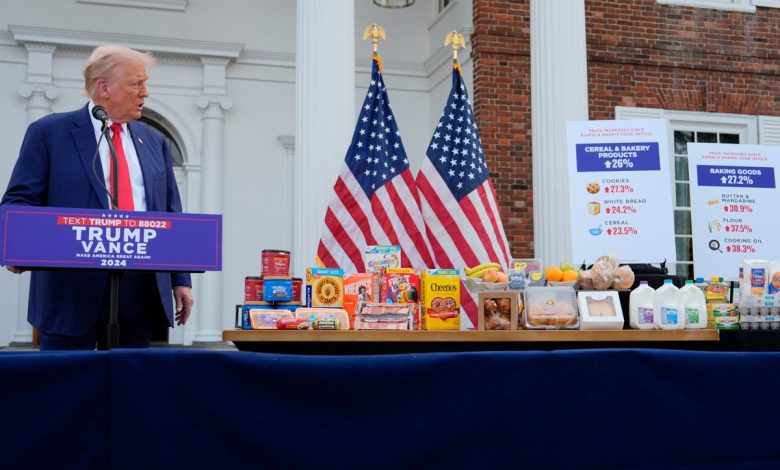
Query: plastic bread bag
x: 623, y: 279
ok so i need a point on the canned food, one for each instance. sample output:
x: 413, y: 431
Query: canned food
x: 276, y: 262
x: 297, y: 284
x: 253, y: 289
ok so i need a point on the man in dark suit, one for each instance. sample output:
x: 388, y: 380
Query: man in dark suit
x: 56, y: 168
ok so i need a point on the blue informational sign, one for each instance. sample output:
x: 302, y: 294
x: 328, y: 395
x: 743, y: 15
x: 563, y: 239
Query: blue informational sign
x: 101, y: 239
x: 618, y: 157
x: 736, y: 176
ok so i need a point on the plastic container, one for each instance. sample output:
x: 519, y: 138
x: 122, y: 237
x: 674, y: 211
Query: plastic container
x: 694, y: 305
x: 550, y: 308
x: 701, y: 284
x: 640, y: 307
x: 667, y: 311
x: 275, y: 263
x: 253, y: 289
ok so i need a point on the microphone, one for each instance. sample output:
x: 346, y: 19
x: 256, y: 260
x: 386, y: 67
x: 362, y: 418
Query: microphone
x: 101, y: 115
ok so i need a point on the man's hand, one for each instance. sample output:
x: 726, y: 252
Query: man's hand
x: 183, y: 296
x: 15, y: 270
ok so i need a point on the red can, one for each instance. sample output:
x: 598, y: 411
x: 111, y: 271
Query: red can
x: 253, y: 289
x: 276, y: 263
x: 297, y: 285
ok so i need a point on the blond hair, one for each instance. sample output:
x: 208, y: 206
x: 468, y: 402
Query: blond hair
x: 104, y: 61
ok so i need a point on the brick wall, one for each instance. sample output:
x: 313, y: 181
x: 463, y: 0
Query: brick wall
x: 644, y: 54
x: 501, y: 52
x: 640, y: 54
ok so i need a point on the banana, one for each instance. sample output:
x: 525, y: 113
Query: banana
x: 479, y: 271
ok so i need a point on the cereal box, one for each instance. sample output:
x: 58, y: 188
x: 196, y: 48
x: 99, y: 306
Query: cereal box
x: 324, y: 287
x: 382, y: 256
x: 357, y: 287
x: 402, y: 286
x: 441, y: 299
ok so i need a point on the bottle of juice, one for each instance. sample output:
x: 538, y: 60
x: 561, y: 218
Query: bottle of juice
x: 667, y: 311
x: 640, y: 307
x: 694, y: 305
x: 716, y: 294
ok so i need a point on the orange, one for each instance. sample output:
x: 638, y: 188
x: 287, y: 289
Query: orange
x: 569, y: 275
x: 553, y: 273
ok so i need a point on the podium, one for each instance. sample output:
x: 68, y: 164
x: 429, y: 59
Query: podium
x: 115, y: 241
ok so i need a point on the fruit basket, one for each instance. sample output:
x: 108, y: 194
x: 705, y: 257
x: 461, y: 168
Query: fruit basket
x: 478, y: 285
x: 573, y: 284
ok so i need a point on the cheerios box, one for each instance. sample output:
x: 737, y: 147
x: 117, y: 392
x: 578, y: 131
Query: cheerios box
x: 324, y: 287
x: 440, y: 299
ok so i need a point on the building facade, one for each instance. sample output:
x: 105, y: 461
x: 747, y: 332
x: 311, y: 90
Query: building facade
x: 259, y: 98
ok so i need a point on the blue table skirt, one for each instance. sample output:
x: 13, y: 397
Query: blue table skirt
x: 562, y: 409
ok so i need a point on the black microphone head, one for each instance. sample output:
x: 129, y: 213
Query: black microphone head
x: 100, y: 114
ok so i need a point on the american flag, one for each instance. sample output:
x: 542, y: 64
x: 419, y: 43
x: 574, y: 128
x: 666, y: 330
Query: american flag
x: 457, y: 198
x: 375, y: 201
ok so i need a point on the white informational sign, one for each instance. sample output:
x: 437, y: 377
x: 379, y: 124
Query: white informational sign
x: 734, y: 200
x: 620, y: 190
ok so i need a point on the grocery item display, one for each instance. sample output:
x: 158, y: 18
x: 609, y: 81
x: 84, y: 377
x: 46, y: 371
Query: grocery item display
x: 524, y: 295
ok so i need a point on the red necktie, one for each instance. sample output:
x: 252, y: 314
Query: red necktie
x: 125, y: 199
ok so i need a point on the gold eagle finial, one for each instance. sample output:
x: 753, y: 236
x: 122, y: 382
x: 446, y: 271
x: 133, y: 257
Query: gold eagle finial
x: 374, y: 31
x: 458, y: 42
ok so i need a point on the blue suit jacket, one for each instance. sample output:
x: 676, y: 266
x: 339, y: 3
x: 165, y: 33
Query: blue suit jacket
x: 55, y: 168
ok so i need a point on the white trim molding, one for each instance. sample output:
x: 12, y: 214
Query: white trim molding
x: 175, y: 5
x: 90, y: 39
x: 731, y: 5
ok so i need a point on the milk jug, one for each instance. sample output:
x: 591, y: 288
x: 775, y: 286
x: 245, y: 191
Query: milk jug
x: 667, y: 312
x: 694, y: 304
x: 640, y: 307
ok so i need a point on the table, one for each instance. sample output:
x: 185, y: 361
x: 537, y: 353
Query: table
x: 384, y: 342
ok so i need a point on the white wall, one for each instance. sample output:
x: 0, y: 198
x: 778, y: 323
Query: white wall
x: 261, y: 85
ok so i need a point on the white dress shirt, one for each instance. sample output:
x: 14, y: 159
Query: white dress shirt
x: 136, y: 177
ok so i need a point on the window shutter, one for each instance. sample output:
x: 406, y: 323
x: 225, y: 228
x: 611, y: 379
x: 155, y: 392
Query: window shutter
x: 769, y: 130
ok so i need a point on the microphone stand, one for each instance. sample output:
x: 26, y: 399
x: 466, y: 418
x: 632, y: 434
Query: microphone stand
x: 112, y: 330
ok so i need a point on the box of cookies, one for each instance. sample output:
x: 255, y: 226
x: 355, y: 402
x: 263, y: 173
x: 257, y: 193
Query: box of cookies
x: 440, y: 300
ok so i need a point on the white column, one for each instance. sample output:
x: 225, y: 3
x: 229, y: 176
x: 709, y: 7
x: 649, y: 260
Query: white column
x: 286, y: 172
x: 559, y: 93
x: 39, y: 92
x: 325, y: 115
x: 214, y: 102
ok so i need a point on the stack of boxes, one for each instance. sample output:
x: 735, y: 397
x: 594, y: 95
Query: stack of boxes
x: 272, y: 295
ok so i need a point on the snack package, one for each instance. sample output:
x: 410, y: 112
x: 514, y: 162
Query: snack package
x: 773, y: 285
x: 402, y: 286
x: 531, y: 268
x: 267, y: 319
x: 440, y: 299
x: 324, y: 318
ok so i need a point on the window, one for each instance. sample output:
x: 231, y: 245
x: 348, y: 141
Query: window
x: 444, y: 4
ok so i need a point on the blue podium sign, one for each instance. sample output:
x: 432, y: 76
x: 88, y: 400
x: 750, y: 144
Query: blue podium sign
x: 101, y: 239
